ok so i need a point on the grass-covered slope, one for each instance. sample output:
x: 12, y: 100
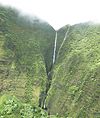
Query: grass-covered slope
x: 25, y: 55
x: 75, y: 88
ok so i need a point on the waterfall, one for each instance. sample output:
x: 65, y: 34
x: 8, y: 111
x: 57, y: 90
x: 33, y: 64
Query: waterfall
x: 54, y: 58
x: 66, y: 34
x: 49, y: 73
x: 55, y: 46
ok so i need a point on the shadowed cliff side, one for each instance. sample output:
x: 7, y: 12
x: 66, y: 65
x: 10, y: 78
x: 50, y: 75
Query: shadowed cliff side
x: 26, y: 47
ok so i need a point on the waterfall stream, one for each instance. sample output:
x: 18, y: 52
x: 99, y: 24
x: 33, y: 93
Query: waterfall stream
x: 66, y: 34
x: 49, y: 73
x: 55, y: 46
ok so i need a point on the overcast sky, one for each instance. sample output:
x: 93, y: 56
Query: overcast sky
x: 59, y: 12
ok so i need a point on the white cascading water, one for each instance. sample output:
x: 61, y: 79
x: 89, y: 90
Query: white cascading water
x: 55, y: 46
x: 54, y: 58
x: 66, y: 34
x: 54, y: 53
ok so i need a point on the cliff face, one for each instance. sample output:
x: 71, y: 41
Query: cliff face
x: 26, y: 50
x: 75, y: 87
x: 70, y: 86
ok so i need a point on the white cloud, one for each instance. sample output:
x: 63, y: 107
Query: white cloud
x: 59, y: 12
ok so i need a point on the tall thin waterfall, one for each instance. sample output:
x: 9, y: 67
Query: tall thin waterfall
x: 66, y: 34
x: 55, y: 46
x: 54, y: 58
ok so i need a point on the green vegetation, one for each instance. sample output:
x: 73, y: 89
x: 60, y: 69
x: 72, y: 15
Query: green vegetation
x: 24, y: 44
x: 75, y: 86
x: 12, y: 108
x: 70, y: 90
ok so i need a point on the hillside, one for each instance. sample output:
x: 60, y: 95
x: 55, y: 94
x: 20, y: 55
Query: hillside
x: 75, y: 85
x: 30, y: 82
x: 25, y: 54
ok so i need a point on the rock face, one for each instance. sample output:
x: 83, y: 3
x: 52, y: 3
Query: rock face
x: 70, y: 86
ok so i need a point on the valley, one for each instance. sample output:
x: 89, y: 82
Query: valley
x: 46, y: 73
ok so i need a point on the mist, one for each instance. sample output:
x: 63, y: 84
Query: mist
x: 58, y: 13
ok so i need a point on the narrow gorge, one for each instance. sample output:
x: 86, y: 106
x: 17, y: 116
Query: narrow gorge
x: 43, y: 71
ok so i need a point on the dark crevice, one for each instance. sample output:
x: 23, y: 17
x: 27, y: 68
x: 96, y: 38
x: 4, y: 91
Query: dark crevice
x: 43, y: 94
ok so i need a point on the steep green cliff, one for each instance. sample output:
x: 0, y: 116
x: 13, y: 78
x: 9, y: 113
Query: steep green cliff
x: 26, y: 47
x: 75, y: 85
